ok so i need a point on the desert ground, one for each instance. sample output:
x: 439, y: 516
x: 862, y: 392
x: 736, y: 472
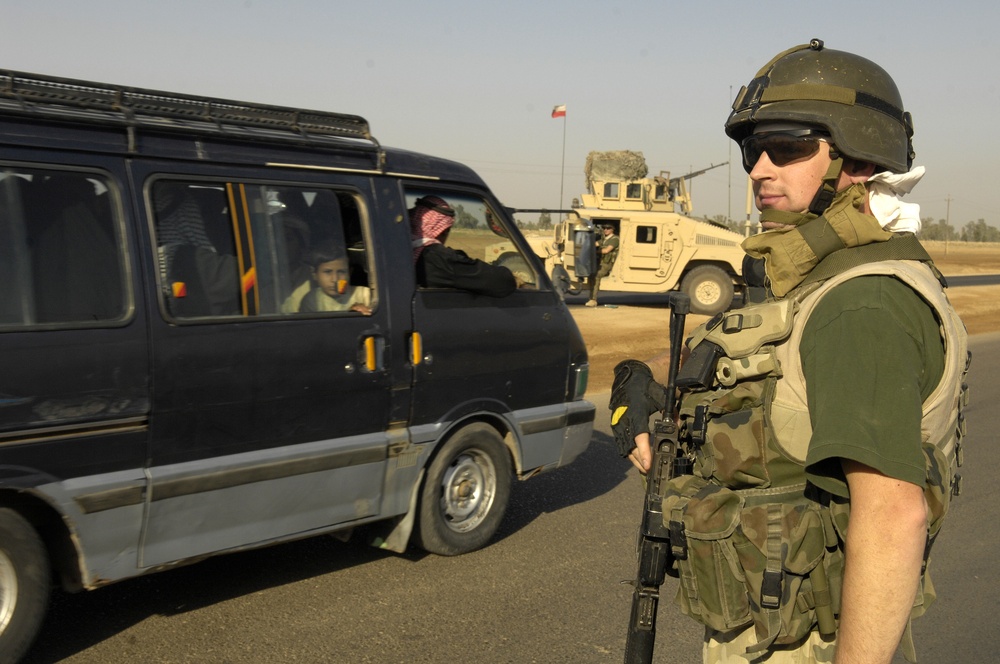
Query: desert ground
x: 640, y: 331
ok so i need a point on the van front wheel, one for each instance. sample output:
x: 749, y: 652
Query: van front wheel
x: 24, y: 585
x: 465, y: 493
x: 710, y: 290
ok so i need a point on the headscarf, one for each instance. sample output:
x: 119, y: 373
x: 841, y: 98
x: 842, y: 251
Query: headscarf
x: 430, y: 217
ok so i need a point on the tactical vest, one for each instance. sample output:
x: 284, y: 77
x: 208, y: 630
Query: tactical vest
x: 609, y: 258
x: 753, y: 542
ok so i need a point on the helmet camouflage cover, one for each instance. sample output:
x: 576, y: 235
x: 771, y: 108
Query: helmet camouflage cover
x: 851, y: 97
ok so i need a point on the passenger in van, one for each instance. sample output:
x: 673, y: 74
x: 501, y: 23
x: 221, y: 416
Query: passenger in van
x: 438, y: 266
x: 333, y: 290
x: 297, y: 236
x: 202, y: 281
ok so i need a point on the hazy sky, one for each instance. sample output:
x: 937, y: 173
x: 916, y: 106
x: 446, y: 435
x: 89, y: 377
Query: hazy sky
x: 476, y: 81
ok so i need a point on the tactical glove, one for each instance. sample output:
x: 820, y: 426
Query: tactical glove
x: 634, y: 397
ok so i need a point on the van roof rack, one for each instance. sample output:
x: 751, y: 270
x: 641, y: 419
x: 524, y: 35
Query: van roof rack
x: 63, y: 98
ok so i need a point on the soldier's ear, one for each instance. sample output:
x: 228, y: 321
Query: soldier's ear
x: 856, y: 167
x: 858, y: 171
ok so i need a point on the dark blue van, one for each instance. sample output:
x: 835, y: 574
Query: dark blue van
x: 164, y: 396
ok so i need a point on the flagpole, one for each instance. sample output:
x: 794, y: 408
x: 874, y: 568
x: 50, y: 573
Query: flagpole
x: 560, y: 112
x: 562, y: 172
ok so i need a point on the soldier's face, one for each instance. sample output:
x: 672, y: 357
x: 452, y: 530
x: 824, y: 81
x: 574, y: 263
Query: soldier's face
x: 789, y: 187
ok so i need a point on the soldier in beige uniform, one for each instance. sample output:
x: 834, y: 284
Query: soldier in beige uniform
x: 834, y: 401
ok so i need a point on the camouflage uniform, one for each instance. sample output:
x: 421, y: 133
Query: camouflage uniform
x: 757, y: 528
x: 758, y: 549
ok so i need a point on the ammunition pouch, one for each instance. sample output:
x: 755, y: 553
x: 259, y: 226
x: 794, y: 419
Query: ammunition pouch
x: 770, y: 558
x: 725, y: 429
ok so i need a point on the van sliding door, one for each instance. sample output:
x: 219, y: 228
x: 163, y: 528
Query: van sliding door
x: 271, y: 399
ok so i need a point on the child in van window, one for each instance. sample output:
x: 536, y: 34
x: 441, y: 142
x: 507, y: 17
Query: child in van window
x: 333, y: 292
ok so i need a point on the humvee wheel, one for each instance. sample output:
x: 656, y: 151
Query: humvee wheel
x: 560, y: 280
x: 710, y: 289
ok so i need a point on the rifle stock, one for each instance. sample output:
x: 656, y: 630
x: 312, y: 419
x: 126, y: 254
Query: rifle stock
x: 654, y: 538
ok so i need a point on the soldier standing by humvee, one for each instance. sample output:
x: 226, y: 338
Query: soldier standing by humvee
x: 837, y: 396
x: 607, y: 250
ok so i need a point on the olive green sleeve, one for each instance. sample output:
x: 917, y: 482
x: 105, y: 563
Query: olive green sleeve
x: 871, y: 353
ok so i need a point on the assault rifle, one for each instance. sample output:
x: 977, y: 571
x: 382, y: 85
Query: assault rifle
x: 654, y: 537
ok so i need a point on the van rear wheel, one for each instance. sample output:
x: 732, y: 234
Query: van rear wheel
x: 465, y: 493
x: 710, y: 289
x: 24, y: 585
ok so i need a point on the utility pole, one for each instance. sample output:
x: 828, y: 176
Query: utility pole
x: 947, y: 221
x: 729, y: 179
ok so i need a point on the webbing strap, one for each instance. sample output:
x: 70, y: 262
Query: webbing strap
x: 828, y: 189
x: 899, y: 247
x: 810, y: 92
x: 770, y: 591
x: 821, y: 237
x: 906, y: 643
x: 831, y: 93
x: 678, y: 548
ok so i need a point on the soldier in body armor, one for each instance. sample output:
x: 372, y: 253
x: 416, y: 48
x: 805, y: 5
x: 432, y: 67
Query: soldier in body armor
x: 834, y: 401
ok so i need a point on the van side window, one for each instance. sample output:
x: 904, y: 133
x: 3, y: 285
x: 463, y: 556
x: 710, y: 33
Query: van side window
x: 323, y: 265
x: 480, y: 232
x: 250, y: 249
x: 200, y: 274
x: 61, y: 257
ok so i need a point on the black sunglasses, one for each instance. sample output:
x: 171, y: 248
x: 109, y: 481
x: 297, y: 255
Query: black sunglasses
x: 782, y: 147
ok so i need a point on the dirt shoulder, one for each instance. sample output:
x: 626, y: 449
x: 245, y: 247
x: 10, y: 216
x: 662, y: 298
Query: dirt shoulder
x: 640, y: 331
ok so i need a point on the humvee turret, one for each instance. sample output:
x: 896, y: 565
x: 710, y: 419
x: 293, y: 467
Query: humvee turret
x: 661, y: 248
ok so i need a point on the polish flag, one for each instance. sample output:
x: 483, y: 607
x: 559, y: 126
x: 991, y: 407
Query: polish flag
x: 559, y: 111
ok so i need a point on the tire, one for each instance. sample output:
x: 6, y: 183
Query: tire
x: 710, y: 289
x: 518, y: 267
x: 465, y: 493
x: 560, y: 280
x: 24, y: 585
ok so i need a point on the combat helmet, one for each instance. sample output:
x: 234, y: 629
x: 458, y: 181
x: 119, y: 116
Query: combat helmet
x: 853, y: 98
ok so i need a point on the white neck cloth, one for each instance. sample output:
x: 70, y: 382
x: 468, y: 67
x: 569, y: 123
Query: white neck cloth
x: 885, y: 191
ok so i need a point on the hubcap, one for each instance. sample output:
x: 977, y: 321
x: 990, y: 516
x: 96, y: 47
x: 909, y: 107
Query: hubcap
x: 467, y: 490
x: 708, y: 292
x: 8, y: 591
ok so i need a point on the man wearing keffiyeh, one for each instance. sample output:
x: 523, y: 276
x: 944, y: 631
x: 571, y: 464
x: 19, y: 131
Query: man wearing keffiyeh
x: 438, y: 266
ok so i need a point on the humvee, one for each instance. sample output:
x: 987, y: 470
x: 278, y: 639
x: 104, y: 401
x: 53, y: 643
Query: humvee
x: 661, y: 248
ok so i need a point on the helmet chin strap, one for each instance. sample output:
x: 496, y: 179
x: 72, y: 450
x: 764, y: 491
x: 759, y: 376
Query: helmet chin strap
x: 828, y: 189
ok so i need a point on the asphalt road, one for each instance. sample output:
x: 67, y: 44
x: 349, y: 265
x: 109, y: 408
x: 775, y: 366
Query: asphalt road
x: 548, y: 589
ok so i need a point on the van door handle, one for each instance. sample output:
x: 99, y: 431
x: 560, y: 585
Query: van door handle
x: 417, y: 356
x: 373, y: 353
